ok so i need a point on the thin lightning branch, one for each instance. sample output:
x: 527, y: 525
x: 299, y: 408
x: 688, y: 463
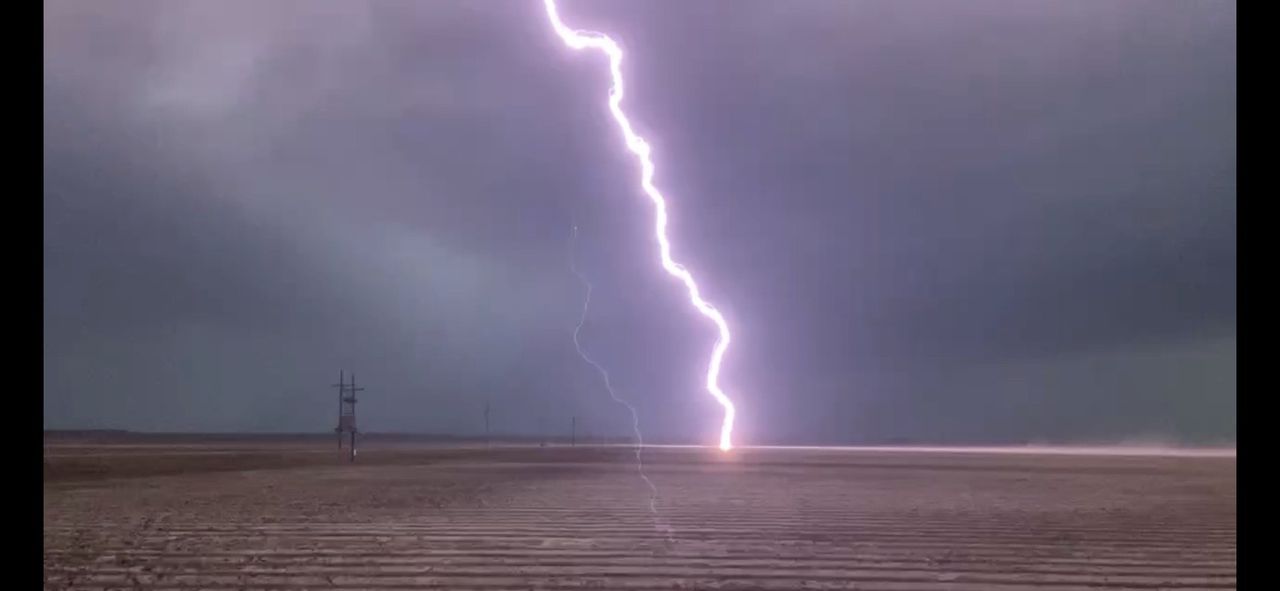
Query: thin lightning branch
x: 578, y: 39
x: 608, y: 385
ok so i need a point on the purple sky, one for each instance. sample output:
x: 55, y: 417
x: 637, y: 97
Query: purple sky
x: 949, y: 221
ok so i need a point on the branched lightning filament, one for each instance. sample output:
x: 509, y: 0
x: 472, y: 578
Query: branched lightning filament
x: 608, y: 386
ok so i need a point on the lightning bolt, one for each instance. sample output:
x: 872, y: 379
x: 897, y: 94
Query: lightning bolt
x: 608, y: 385
x: 577, y: 39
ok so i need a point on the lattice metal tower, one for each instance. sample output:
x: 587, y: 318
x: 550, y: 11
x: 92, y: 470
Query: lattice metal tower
x: 347, y: 410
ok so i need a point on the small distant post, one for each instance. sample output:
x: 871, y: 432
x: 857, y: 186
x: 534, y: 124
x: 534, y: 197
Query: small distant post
x: 573, y: 433
x: 488, y: 442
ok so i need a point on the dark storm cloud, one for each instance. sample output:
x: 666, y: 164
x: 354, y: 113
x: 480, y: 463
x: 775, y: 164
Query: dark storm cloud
x: 988, y: 220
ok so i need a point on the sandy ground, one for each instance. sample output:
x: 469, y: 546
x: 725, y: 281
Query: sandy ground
x: 295, y: 515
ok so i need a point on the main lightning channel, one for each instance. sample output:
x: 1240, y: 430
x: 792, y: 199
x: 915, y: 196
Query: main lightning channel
x: 578, y: 39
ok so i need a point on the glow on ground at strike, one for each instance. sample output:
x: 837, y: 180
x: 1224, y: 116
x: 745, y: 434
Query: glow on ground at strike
x: 637, y: 145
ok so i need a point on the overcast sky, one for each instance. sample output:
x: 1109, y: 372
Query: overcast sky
x: 945, y: 221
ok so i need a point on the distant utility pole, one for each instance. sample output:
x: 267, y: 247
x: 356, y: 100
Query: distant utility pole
x: 487, y: 441
x: 347, y: 410
x: 352, y: 401
x: 573, y: 433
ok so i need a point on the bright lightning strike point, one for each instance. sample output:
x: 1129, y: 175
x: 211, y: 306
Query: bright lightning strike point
x: 578, y: 39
